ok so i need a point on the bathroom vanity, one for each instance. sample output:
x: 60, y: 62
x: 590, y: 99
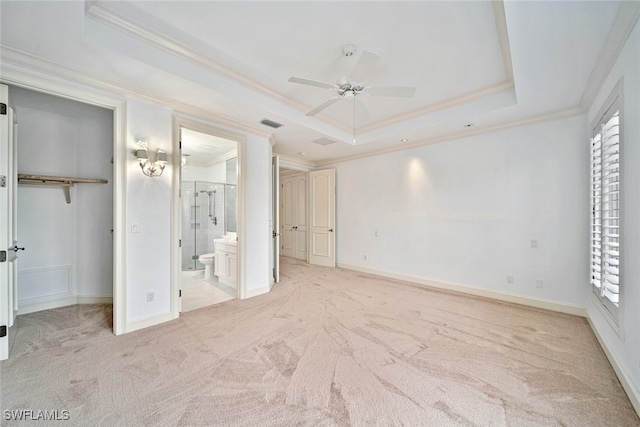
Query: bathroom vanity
x: 226, y: 265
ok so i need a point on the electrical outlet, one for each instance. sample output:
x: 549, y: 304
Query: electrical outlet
x: 376, y: 233
x: 539, y: 283
x: 151, y: 297
x: 365, y: 257
x: 510, y: 279
x: 534, y: 244
x: 135, y: 227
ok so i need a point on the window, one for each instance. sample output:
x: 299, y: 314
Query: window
x: 605, y: 208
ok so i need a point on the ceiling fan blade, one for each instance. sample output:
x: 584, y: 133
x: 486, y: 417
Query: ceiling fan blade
x: 362, y: 113
x: 309, y: 82
x: 323, y: 106
x: 402, y: 92
x: 367, y: 61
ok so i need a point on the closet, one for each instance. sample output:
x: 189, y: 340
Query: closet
x: 293, y: 215
x: 64, y: 201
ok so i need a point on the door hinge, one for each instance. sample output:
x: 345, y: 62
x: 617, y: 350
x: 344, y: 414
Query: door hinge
x: 180, y: 145
x: 3, y: 331
x: 180, y: 293
x: 3, y: 109
x: 3, y: 256
x: 3, y: 181
x: 180, y: 243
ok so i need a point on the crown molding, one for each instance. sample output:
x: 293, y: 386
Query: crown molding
x: 624, y: 22
x: 290, y: 172
x: 452, y: 102
x: 13, y: 60
x: 98, y: 12
x: 554, y: 115
x: 505, y: 85
x: 289, y: 162
x: 223, y: 158
x: 503, y: 37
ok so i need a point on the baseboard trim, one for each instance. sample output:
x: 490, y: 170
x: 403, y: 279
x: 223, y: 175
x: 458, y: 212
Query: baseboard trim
x: 471, y: 290
x: 64, y: 302
x: 88, y: 299
x: 146, y: 322
x: 258, y: 291
x: 632, y: 392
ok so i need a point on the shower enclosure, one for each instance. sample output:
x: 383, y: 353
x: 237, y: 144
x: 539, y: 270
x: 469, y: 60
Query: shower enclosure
x: 204, y: 215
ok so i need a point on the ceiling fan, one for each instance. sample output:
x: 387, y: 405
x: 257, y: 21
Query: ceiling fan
x: 352, y: 86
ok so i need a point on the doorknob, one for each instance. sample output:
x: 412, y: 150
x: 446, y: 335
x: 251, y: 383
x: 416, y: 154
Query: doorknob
x: 331, y: 230
x: 16, y: 248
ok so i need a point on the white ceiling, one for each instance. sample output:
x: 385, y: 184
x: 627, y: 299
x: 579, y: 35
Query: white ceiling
x: 479, y: 62
x: 205, y: 150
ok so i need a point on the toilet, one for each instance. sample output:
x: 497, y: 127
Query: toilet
x: 207, y: 260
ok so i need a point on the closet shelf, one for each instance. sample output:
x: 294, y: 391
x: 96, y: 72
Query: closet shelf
x: 57, y: 181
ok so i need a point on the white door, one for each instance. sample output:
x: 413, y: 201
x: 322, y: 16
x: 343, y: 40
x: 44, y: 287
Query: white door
x: 8, y: 225
x: 287, y: 223
x: 300, y: 228
x: 275, y: 227
x: 294, y: 207
x: 322, y: 198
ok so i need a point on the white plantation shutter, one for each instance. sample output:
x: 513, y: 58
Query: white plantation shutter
x: 605, y: 210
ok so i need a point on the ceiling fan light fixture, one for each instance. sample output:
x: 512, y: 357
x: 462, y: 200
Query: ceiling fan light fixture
x: 349, y: 49
x: 404, y: 140
x: 351, y: 85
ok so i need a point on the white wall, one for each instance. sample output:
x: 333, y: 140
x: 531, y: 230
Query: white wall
x: 257, y: 238
x: 464, y: 211
x: 69, y: 247
x: 94, y: 221
x: 195, y: 173
x: 148, y: 204
x: 214, y: 173
x: 626, y: 347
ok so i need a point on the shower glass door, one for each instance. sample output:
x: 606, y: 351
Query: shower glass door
x: 203, y: 219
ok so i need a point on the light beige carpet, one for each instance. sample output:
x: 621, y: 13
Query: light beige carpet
x: 326, y: 347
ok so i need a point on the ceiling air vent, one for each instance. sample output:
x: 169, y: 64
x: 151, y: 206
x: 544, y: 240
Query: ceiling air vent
x: 270, y: 123
x: 324, y: 141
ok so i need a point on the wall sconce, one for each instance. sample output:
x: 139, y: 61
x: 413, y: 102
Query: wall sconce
x: 149, y: 167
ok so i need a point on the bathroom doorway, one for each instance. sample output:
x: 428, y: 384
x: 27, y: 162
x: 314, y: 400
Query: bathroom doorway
x: 208, y: 190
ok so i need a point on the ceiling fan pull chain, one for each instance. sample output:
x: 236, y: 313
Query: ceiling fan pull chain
x: 354, y: 119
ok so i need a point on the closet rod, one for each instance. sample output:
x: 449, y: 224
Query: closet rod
x: 59, y: 181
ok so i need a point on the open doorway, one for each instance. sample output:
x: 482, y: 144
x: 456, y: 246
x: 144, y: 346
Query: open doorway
x: 209, y: 180
x: 64, y: 203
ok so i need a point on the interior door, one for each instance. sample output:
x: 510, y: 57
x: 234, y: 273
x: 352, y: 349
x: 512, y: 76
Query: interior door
x: 8, y: 225
x: 322, y: 198
x: 300, y: 228
x: 287, y: 230
x: 180, y: 219
x: 275, y: 227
